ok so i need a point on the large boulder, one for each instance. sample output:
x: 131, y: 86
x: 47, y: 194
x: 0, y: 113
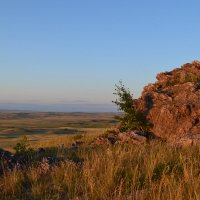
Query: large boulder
x: 172, y: 104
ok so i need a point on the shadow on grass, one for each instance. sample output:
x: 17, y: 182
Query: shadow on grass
x: 53, y: 131
x: 30, y: 132
x: 10, y: 135
x: 67, y: 131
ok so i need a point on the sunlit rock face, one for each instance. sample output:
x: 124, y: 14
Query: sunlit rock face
x: 172, y: 104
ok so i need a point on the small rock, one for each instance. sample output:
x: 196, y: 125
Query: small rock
x: 5, y: 154
x: 40, y: 150
x: 101, y: 140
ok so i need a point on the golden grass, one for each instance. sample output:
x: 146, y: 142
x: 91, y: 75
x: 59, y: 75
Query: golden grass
x: 152, y: 171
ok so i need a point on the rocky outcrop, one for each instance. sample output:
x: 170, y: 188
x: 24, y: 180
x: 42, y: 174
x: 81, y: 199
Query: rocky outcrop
x: 132, y: 137
x: 172, y: 104
x: 40, y: 157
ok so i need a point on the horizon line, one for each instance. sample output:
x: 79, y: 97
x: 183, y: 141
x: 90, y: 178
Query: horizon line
x: 28, y: 107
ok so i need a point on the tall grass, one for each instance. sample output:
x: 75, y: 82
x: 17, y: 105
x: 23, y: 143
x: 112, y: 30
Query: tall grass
x: 152, y: 171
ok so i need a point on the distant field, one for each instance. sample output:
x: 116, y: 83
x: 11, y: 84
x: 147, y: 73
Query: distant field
x: 41, y: 128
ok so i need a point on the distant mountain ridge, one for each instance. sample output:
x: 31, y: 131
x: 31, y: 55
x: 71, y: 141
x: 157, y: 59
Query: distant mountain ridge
x: 58, y: 107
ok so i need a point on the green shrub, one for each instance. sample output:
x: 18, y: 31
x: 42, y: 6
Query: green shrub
x: 132, y: 118
x: 22, y: 147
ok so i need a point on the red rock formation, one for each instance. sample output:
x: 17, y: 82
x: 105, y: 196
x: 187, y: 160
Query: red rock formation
x: 172, y: 104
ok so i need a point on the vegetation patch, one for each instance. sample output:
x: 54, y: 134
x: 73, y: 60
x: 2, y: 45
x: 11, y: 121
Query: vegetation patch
x: 150, y: 171
x: 132, y: 119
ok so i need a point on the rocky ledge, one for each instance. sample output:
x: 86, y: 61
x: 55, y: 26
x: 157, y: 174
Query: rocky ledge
x: 45, y: 159
x: 172, y: 104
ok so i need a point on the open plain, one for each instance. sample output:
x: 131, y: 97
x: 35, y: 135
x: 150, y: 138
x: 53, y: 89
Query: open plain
x: 43, y: 129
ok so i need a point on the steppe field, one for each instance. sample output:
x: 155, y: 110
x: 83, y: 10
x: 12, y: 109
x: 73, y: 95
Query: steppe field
x: 44, y: 129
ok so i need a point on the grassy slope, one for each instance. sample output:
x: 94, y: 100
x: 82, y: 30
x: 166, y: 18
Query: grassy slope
x: 152, y: 171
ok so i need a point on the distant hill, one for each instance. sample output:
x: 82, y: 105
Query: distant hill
x: 7, y: 107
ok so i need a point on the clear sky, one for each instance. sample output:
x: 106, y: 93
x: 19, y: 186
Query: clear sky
x: 74, y: 51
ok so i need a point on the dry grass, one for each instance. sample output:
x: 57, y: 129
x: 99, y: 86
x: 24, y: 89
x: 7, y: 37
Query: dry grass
x: 153, y: 171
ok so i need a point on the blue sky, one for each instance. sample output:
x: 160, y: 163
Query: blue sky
x: 74, y: 51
